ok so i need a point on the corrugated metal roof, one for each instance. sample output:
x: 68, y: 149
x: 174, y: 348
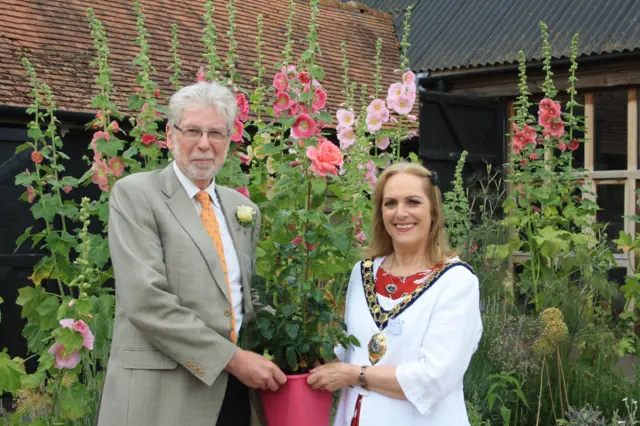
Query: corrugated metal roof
x: 454, y: 34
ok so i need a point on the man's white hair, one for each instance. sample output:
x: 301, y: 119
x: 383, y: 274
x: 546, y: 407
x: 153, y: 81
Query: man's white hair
x: 203, y: 95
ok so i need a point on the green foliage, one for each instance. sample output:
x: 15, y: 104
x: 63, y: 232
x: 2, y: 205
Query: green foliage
x: 456, y: 208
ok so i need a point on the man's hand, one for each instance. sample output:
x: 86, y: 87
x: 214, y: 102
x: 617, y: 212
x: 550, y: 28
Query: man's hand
x: 256, y: 371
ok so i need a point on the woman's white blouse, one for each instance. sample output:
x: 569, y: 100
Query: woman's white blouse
x: 431, y: 343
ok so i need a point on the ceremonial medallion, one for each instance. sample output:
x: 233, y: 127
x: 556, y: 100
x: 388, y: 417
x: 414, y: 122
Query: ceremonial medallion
x: 390, y: 288
x: 377, y: 347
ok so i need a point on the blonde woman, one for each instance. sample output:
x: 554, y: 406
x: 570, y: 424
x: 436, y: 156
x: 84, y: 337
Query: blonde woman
x: 414, y: 307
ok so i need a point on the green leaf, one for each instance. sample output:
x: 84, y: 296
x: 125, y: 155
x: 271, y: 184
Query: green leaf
x: 10, y: 373
x: 292, y: 330
x: 48, y: 310
x: 325, y: 117
x: 317, y: 73
x: 341, y: 241
x: 46, y: 208
x: 22, y: 147
x: 22, y: 238
x: 318, y: 186
x: 270, y: 148
x: 32, y: 380
x: 292, y: 358
x: 27, y: 294
x: 42, y: 270
x: 74, y: 401
x: 289, y: 310
x: 60, y: 243
x: 70, y: 339
x: 287, y: 122
x: 506, y: 415
x: 24, y: 179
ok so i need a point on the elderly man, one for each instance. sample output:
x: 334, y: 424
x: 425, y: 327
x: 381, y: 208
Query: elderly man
x: 183, y: 261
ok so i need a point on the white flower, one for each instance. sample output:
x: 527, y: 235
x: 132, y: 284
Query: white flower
x: 245, y: 215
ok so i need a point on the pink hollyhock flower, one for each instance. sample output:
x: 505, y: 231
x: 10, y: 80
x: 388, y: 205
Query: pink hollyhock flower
x: 62, y: 361
x: 303, y: 127
x: 244, y: 191
x: 319, y: 99
x: 116, y: 166
x: 37, y: 157
x: 162, y: 144
x: 293, y: 109
x: 550, y: 108
x: 412, y: 134
x: 383, y: 142
x: 289, y: 69
x: 555, y: 128
x: 31, y: 194
x: 114, y: 126
x: 412, y: 118
x: 294, y: 163
x: 408, y: 78
x: 360, y: 236
x: 304, y: 77
x: 403, y: 105
x: 543, y: 119
x: 573, y: 145
x: 238, y: 131
x: 325, y: 159
x: 81, y: 327
x: 148, y: 139
x: 201, y: 75
x: 373, y: 123
x: 100, y: 175
x: 243, y: 107
x: 533, y: 156
x: 345, y: 117
x: 347, y: 137
x: 410, y: 92
x: 529, y: 134
x: 297, y: 240
x: 71, y: 303
x: 377, y: 107
x: 244, y: 158
x: 283, y: 101
x: 395, y: 90
x: 370, y: 176
x: 157, y: 94
x: 280, y: 81
x: 562, y: 146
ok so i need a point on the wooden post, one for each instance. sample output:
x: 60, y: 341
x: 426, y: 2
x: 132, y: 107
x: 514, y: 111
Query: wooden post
x: 632, y: 164
x: 511, y: 111
x: 589, y: 145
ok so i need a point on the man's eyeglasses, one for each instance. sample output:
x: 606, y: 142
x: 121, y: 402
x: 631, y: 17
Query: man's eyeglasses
x: 194, y: 134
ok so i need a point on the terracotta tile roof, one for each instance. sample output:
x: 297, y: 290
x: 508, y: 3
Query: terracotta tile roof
x: 55, y: 36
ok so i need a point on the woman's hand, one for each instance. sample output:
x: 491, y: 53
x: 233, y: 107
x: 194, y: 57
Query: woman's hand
x: 333, y: 376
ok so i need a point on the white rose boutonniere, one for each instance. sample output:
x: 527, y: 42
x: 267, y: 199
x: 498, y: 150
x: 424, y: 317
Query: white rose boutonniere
x: 246, y: 216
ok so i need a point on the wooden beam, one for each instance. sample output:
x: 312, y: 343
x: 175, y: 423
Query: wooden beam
x: 632, y: 165
x: 589, y: 149
x: 609, y: 174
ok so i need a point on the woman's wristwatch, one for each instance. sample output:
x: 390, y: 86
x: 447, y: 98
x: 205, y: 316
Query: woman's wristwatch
x: 362, y: 380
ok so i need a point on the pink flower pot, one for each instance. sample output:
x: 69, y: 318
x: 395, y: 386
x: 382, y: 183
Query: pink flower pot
x: 296, y: 404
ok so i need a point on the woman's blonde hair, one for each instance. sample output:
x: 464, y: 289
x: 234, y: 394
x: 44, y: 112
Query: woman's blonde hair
x: 438, y: 249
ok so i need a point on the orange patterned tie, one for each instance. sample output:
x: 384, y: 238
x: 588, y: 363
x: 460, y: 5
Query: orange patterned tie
x: 210, y: 221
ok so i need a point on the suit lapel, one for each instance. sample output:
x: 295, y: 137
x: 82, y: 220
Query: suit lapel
x: 187, y: 216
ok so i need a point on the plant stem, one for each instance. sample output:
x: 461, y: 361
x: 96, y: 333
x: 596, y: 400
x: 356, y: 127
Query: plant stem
x: 540, y: 393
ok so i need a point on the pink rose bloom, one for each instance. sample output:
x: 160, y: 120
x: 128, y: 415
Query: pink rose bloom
x: 243, y: 107
x: 116, y: 166
x: 31, y: 194
x: 373, y: 123
x: 408, y: 78
x: 238, y: 130
x: 347, y: 137
x: 280, y: 81
x: 61, y: 361
x: 403, y: 105
x: 244, y: 191
x: 303, y: 127
x: 383, y: 142
x: 283, y: 101
x: 345, y: 117
x: 325, y: 159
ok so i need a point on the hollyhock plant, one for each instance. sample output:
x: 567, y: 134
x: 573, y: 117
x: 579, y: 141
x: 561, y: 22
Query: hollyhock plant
x: 64, y: 361
x: 347, y: 137
x: 326, y: 158
x: 303, y: 127
x: 555, y: 128
x: 378, y: 108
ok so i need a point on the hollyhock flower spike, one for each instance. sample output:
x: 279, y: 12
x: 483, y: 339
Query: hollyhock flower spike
x: 243, y: 107
x: 325, y: 159
x: 303, y: 127
x: 280, y: 81
x: 550, y: 108
x: 238, y: 131
x: 555, y: 128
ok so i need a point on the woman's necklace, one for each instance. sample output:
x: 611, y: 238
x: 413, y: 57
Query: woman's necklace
x: 392, y: 287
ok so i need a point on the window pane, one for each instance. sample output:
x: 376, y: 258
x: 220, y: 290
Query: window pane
x: 611, y: 201
x: 611, y: 130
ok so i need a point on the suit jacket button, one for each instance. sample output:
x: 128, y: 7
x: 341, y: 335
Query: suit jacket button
x: 227, y: 312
